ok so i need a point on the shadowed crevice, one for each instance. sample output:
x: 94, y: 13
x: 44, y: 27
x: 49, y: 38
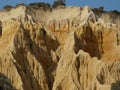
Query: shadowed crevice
x: 5, y: 83
x: 116, y: 85
x: 0, y: 28
x: 88, y: 42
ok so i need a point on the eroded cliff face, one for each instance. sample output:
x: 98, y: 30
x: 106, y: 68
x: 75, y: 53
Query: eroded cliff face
x: 109, y: 16
x: 66, y: 48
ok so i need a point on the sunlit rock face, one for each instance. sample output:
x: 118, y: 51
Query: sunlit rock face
x: 63, y: 48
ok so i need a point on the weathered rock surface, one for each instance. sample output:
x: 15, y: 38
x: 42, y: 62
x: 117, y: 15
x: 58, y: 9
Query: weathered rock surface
x: 109, y: 17
x: 64, y: 48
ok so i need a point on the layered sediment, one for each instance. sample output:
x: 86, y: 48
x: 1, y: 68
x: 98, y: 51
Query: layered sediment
x: 63, y: 48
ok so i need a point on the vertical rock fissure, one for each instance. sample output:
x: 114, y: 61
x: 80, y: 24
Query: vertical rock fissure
x: 0, y: 28
x: 118, y: 39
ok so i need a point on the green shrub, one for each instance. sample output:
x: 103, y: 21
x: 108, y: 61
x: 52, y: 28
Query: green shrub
x: 59, y: 3
x: 8, y: 7
x: 40, y: 5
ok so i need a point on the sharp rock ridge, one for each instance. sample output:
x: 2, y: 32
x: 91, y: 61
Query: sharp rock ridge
x: 63, y: 48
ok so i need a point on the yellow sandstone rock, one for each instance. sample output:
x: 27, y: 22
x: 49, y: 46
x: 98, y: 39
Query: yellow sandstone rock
x: 68, y: 48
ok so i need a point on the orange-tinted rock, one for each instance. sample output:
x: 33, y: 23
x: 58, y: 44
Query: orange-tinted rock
x: 67, y: 48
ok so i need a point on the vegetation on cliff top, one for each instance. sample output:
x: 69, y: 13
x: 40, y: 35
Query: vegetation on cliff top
x: 56, y: 3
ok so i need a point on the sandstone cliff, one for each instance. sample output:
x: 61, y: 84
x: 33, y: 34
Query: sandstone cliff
x: 109, y: 16
x: 63, y: 48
